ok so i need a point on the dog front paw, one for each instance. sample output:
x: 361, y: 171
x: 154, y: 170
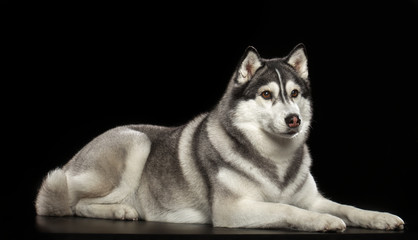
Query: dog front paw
x: 125, y: 212
x: 375, y: 220
x: 385, y: 221
x: 324, y: 223
x: 329, y: 223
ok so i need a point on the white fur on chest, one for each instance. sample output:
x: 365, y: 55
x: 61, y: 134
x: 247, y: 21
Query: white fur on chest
x: 221, y: 142
x: 280, y: 151
x: 256, y: 185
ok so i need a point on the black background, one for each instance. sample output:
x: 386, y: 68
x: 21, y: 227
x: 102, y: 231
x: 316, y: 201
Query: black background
x: 77, y: 71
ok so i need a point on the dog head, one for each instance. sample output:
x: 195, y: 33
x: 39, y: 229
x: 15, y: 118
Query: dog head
x: 271, y: 95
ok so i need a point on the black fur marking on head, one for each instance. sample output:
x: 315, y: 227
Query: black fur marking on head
x: 288, y: 73
x: 267, y: 74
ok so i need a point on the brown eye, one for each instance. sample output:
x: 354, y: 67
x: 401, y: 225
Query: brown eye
x: 294, y: 93
x: 266, y: 95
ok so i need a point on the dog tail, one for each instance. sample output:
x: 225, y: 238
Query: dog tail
x: 53, y: 197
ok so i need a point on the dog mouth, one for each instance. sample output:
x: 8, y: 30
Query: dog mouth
x: 290, y: 134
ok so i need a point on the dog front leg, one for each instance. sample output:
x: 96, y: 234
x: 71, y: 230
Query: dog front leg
x: 356, y: 217
x: 244, y: 213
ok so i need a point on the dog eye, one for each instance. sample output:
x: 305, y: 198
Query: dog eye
x: 266, y: 95
x: 294, y: 93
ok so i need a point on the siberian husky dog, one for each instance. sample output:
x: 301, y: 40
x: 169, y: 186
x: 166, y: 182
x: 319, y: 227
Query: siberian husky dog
x: 245, y: 164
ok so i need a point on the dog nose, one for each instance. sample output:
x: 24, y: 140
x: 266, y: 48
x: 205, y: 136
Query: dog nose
x: 292, y: 120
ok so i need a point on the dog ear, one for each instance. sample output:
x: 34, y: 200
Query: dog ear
x: 298, y: 60
x: 249, y: 64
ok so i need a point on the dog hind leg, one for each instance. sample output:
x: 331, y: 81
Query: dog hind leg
x: 107, y: 211
x: 101, y: 181
x: 117, y: 203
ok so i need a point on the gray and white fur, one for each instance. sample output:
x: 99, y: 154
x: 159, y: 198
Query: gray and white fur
x: 243, y: 165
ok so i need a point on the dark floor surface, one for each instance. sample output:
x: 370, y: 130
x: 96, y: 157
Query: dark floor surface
x: 84, y: 228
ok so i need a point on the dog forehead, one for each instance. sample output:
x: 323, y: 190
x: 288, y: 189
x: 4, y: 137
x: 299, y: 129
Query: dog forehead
x: 283, y: 73
x: 278, y: 70
x: 274, y: 71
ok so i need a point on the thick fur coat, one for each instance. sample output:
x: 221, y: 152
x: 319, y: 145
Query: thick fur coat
x: 245, y: 164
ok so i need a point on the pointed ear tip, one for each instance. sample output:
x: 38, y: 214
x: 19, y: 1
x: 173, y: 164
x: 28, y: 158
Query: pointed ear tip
x: 300, y: 46
x: 251, y: 48
x: 299, y: 51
